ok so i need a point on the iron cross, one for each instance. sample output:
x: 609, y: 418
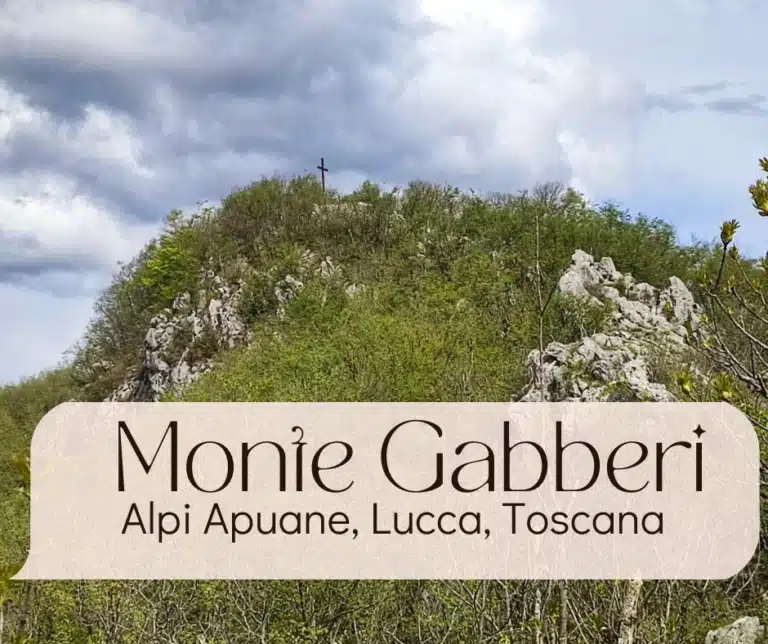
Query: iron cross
x: 323, y: 170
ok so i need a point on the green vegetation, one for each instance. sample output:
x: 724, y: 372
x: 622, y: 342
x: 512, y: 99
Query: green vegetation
x: 450, y: 311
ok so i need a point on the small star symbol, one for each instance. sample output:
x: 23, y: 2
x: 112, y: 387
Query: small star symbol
x: 698, y: 431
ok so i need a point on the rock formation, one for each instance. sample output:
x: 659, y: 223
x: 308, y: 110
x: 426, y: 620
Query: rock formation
x: 746, y: 630
x: 613, y: 365
x: 181, y: 342
x: 178, y: 336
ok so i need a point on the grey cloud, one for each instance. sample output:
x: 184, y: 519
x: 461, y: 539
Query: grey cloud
x: 73, y: 256
x: 670, y: 102
x: 13, y: 243
x: 61, y: 280
x: 705, y: 88
x: 27, y: 263
x: 64, y: 89
x: 241, y: 48
x: 240, y: 89
x: 682, y: 101
x: 752, y: 104
x: 22, y: 255
x: 247, y: 77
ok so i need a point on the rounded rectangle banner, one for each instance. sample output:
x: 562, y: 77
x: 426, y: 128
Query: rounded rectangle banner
x: 393, y: 491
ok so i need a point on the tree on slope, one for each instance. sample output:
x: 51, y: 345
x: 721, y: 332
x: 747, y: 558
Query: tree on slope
x: 734, y: 335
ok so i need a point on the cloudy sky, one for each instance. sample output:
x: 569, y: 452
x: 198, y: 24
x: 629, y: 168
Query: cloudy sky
x: 113, y: 112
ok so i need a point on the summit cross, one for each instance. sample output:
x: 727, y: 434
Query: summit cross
x: 323, y: 170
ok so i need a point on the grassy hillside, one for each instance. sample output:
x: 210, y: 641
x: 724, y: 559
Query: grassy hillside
x: 449, y: 312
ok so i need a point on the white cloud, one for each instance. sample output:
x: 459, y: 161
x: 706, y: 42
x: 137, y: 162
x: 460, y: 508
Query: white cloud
x: 98, y: 136
x: 58, y: 222
x: 16, y: 114
x: 484, y: 99
x: 105, y: 136
x: 94, y: 33
x: 67, y: 227
x: 595, y: 168
x: 517, y: 19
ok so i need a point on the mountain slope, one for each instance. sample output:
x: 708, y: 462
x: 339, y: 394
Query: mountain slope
x: 288, y: 293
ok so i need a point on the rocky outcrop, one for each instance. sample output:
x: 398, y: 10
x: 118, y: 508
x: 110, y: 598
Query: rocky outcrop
x: 181, y: 340
x: 610, y: 365
x: 613, y: 365
x: 285, y: 291
x: 746, y: 630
